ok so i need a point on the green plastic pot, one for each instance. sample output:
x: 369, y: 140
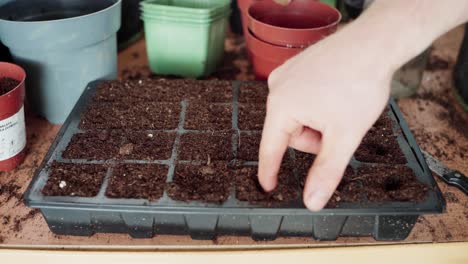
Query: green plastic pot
x: 185, y: 19
x: 329, y: 2
x: 182, y: 15
x: 188, y: 49
x: 193, y: 7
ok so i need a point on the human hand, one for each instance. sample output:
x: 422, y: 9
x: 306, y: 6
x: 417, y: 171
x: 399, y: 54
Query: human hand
x: 323, y: 101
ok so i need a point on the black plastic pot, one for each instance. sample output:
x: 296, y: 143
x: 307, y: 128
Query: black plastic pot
x: 142, y: 218
x: 461, y: 69
x: 235, y: 19
x: 132, y: 26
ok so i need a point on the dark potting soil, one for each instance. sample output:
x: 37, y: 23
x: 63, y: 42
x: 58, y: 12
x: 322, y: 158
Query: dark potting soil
x: 147, y: 146
x: 208, y: 183
x: 94, y: 145
x: 136, y: 181
x: 253, y: 92
x: 248, y: 146
x: 202, y: 116
x: 251, y: 116
x: 380, y: 148
x: 74, y: 180
x: 249, y: 189
x: 9, y: 191
x: 206, y: 146
x: 147, y: 116
x: 7, y: 84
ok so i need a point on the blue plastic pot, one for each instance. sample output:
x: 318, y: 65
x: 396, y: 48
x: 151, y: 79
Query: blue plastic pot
x: 62, y: 45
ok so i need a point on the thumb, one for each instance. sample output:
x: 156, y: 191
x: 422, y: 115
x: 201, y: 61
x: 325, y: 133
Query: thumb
x: 328, y: 169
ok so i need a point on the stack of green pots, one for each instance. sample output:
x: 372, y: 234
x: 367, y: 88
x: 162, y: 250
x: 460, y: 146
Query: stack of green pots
x: 185, y: 37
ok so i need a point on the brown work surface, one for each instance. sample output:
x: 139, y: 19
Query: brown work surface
x: 440, y: 131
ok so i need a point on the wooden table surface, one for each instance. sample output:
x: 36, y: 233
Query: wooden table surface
x: 439, y: 124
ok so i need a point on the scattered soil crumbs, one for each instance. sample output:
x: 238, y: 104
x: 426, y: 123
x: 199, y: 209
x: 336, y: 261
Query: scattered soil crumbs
x: 206, y: 147
x: 253, y: 92
x: 202, y: 116
x: 380, y: 146
x: 381, y: 184
x: 248, y: 188
x: 18, y: 222
x: 94, y: 145
x: 146, y: 116
x: 436, y: 63
x: 248, y: 146
x: 135, y: 181
x: 74, y: 180
x: 210, y: 183
x: 251, y: 116
x: 7, y: 84
x: 147, y: 146
x: 9, y: 191
x: 451, y: 197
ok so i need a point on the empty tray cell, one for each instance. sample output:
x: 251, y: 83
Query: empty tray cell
x: 380, y: 146
x: 94, y: 145
x: 206, y: 146
x: 215, y: 91
x: 251, y: 116
x: 385, y: 183
x: 83, y: 180
x: 253, y: 92
x: 248, y: 188
x: 147, y: 146
x: 207, y: 183
x: 137, y: 181
x: 248, y: 146
x: 140, y: 116
x: 202, y: 116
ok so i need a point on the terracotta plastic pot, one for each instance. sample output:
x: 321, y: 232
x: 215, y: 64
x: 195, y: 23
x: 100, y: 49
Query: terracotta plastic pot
x: 12, y: 125
x: 301, y: 23
x: 266, y: 57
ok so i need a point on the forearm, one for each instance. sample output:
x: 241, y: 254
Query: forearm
x: 404, y: 28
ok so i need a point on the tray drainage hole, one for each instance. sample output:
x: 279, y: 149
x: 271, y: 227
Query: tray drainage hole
x: 392, y: 184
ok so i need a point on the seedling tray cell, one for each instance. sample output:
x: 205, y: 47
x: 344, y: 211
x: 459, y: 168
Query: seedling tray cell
x: 169, y: 161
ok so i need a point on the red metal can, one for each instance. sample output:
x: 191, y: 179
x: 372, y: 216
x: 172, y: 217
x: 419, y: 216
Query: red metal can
x: 12, y: 123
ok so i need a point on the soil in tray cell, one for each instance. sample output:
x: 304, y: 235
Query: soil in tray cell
x: 253, y: 92
x: 74, y: 180
x: 214, y: 91
x: 251, y: 116
x: 7, y: 84
x: 147, y: 146
x: 208, y: 183
x: 248, y: 146
x: 303, y: 161
x: 94, y: 145
x: 248, y: 188
x: 137, y: 181
x: 140, y: 116
x: 206, y: 146
x: 380, y: 146
x: 202, y: 116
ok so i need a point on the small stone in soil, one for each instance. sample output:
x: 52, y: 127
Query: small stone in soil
x: 251, y: 116
x: 205, y: 183
x: 206, y: 147
x: 82, y: 180
x: 137, y: 181
x: 7, y: 84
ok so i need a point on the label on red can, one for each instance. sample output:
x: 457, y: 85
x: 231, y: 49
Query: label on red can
x: 12, y: 135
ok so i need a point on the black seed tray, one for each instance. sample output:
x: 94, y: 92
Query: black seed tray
x: 141, y: 218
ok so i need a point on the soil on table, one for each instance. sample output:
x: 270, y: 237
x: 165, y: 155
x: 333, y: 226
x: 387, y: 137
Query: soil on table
x: 209, y: 183
x: 248, y: 146
x: 249, y: 189
x: 83, y: 180
x: 206, y: 146
x: 147, y: 145
x: 253, y: 92
x: 137, y: 181
x: 251, y: 116
x: 208, y: 117
x: 140, y: 116
x: 7, y: 84
x: 94, y: 145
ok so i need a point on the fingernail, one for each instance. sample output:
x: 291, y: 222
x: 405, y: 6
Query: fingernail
x: 316, y: 200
